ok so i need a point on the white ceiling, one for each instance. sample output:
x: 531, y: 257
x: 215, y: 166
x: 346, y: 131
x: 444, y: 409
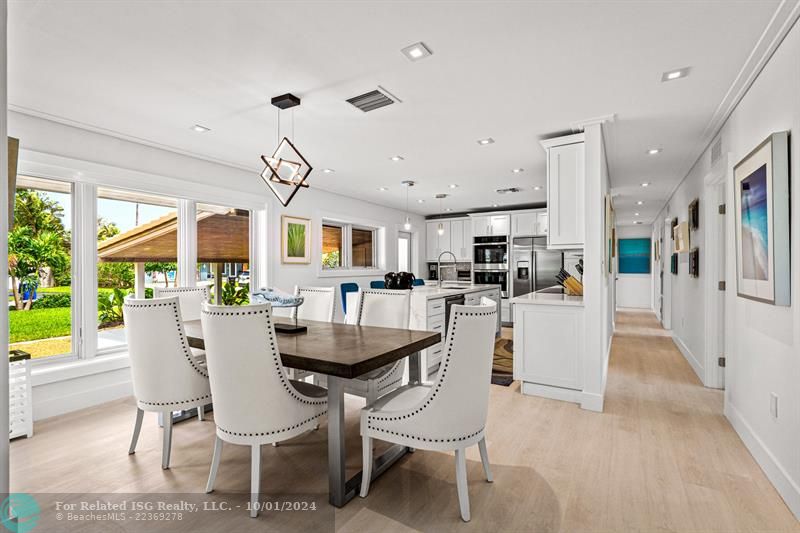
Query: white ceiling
x: 512, y: 71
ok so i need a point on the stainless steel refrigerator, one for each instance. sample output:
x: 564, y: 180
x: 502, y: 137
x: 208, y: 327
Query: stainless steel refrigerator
x: 533, y: 266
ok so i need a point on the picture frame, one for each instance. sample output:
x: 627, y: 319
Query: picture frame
x: 680, y: 235
x: 295, y: 240
x: 674, y: 264
x: 694, y: 263
x: 694, y: 214
x: 762, y: 209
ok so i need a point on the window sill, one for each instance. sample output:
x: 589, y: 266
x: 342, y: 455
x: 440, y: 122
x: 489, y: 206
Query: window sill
x: 53, y: 373
x: 352, y: 273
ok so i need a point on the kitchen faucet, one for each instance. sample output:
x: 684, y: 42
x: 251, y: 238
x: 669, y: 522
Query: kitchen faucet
x: 439, y: 265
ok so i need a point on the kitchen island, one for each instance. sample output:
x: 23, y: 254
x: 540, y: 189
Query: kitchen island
x: 549, y: 345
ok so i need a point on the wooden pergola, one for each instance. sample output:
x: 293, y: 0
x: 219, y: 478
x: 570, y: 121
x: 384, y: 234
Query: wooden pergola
x: 221, y: 238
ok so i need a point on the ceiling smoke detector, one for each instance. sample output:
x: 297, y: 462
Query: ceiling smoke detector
x: 509, y: 190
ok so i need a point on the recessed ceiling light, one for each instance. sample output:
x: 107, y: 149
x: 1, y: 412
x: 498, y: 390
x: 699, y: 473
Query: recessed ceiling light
x: 383, y: 189
x: 454, y: 185
x: 637, y: 221
x: 636, y: 214
x: 328, y: 170
x: 397, y: 158
x: 645, y: 184
x: 537, y: 188
x: 639, y: 202
x: 416, y: 51
x: 448, y: 209
x: 200, y: 129
x: 420, y: 201
x: 495, y: 205
x: 654, y: 151
x: 487, y: 140
x: 517, y: 170
x: 675, y: 74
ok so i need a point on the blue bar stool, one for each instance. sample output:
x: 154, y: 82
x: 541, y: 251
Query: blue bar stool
x: 347, y: 287
x: 377, y: 284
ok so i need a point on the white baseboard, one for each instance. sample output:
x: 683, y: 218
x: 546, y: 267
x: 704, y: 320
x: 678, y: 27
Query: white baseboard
x: 689, y: 356
x: 59, y: 404
x: 592, y: 402
x: 554, y: 393
x: 776, y: 473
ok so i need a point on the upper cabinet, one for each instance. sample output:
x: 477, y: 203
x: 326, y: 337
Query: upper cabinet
x: 461, y: 239
x: 525, y: 224
x: 566, y: 171
x: 489, y: 225
x: 435, y: 244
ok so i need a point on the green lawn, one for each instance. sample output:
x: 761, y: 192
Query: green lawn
x: 39, y: 324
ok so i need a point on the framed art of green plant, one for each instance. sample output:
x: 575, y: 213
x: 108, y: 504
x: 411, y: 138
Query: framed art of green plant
x: 295, y: 240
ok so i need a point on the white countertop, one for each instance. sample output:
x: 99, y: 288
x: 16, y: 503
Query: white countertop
x: 539, y: 298
x: 432, y: 291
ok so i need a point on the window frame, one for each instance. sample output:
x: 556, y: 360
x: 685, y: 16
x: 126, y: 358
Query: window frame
x: 347, y: 268
x: 85, y: 177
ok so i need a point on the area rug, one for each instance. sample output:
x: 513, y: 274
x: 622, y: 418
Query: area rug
x: 503, y: 363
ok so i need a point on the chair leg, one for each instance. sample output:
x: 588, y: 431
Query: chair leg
x: 167, y: 444
x: 200, y: 409
x: 461, y: 484
x: 366, y: 467
x: 212, y: 474
x: 255, y: 478
x: 137, y: 427
x: 487, y: 469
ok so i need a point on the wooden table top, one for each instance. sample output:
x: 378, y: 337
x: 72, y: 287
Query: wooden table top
x: 338, y: 349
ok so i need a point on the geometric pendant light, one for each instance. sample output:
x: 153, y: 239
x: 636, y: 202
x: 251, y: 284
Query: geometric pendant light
x: 286, y: 170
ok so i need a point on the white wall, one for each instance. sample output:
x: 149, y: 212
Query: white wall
x: 101, y: 381
x: 3, y: 249
x: 598, y: 286
x: 634, y: 290
x: 762, y: 341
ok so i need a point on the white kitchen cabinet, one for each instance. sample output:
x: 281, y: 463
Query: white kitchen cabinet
x: 541, y: 223
x: 566, y: 171
x: 524, y: 224
x: 435, y: 244
x: 500, y: 224
x: 489, y: 225
x: 461, y: 239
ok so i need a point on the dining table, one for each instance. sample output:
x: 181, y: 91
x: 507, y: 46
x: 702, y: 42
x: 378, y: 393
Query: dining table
x: 343, y: 352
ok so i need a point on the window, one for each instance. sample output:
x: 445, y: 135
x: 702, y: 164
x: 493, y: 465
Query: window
x: 403, y: 252
x: 348, y: 246
x: 40, y: 268
x: 223, y: 252
x: 137, y: 250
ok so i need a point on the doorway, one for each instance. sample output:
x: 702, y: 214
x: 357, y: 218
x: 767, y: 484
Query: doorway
x: 404, y: 252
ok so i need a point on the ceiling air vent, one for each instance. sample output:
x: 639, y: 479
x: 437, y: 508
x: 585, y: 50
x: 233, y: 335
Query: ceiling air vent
x: 373, y: 100
x: 510, y: 190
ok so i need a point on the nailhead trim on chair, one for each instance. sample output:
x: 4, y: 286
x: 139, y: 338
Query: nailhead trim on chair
x: 186, y: 352
x: 441, y: 379
x: 314, y: 289
x: 164, y: 404
x: 389, y: 373
x: 168, y: 290
x: 275, y: 358
x: 283, y: 430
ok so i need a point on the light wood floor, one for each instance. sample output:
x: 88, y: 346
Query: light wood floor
x: 662, y: 457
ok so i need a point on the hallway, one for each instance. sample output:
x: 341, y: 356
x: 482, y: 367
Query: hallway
x: 672, y: 459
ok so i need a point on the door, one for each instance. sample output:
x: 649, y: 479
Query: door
x: 404, y: 252
x: 457, y: 245
x: 541, y: 224
x: 524, y: 223
x: 481, y: 226
x: 431, y: 241
x: 444, y: 239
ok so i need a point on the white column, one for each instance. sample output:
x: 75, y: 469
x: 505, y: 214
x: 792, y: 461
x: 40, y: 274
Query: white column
x: 187, y: 243
x: 84, y: 283
x: 138, y: 281
x: 259, y: 252
x: 4, y: 484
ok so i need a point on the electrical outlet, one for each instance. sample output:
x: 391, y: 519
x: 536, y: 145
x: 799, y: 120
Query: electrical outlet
x: 773, y: 405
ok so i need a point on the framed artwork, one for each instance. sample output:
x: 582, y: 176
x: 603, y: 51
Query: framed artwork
x: 694, y: 214
x: 672, y: 228
x: 634, y: 256
x: 673, y: 266
x: 694, y: 263
x: 680, y: 234
x: 609, y: 252
x: 295, y: 240
x: 761, y: 194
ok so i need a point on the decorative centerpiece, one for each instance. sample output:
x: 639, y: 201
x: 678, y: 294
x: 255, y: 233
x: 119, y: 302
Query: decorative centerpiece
x: 281, y: 299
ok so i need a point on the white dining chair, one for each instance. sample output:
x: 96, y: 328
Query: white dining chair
x: 449, y: 414
x: 191, y: 299
x: 387, y: 309
x: 166, y: 376
x: 255, y: 403
x: 318, y: 304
